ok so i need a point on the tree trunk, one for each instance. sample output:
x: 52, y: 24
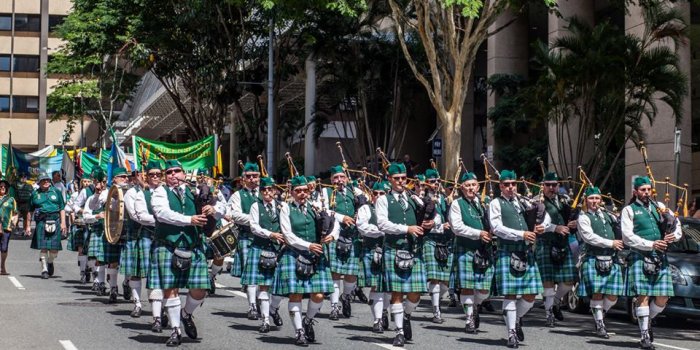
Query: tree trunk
x: 451, y: 142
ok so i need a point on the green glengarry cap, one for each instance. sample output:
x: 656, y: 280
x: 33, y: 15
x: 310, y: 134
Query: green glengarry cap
x: 551, y: 176
x: 420, y: 178
x: 251, y: 168
x: 336, y: 169
x: 507, y: 175
x: 381, y: 186
x: 592, y: 191
x: 267, y: 182
x: 172, y: 164
x: 118, y: 171
x: 467, y: 176
x: 299, y: 181
x: 98, y: 175
x: 310, y: 178
x: 432, y: 174
x: 153, y: 165
x: 396, y: 168
x: 641, y: 181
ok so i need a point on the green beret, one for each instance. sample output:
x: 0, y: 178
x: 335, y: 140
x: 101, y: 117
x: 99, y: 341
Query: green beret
x: 298, y: 181
x: 310, y: 178
x: 551, y: 176
x: 43, y: 176
x: 641, y: 181
x: 172, y: 164
x: 99, y: 175
x: 381, y: 186
x: 592, y: 190
x: 420, y: 177
x: 432, y: 174
x: 467, y: 176
x: 508, y: 175
x: 336, y: 169
x: 396, y: 168
x: 267, y: 182
x: 118, y: 171
x: 251, y: 168
x: 153, y: 165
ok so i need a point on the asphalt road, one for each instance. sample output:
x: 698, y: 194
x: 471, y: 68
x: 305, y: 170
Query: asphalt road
x: 60, y: 313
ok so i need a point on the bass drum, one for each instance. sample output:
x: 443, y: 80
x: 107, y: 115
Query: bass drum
x: 223, y: 242
x: 114, y: 215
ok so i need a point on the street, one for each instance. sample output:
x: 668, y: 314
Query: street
x: 60, y: 313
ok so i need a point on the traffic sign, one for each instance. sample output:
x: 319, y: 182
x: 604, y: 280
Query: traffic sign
x: 437, y: 147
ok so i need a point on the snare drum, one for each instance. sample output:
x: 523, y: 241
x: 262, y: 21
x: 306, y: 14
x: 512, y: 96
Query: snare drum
x: 223, y: 241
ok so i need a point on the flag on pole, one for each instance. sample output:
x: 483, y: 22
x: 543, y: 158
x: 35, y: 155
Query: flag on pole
x: 67, y: 167
x: 10, y: 171
x: 118, y: 157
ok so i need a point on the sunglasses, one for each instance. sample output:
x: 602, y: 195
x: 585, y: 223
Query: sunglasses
x: 397, y: 178
x: 155, y: 174
x: 267, y: 189
x: 378, y: 193
x: 509, y: 184
x: 301, y: 190
x: 551, y: 184
x: 173, y: 171
x: 432, y: 181
x: 252, y: 176
x: 121, y: 176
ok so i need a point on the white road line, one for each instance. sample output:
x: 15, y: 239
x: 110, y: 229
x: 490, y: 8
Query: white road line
x: 238, y: 293
x: 68, y: 345
x: 14, y: 281
x: 387, y: 346
x: 219, y: 285
x: 670, y: 346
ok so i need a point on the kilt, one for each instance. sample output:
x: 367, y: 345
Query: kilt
x: 41, y: 241
x: 403, y: 282
x: 161, y: 274
x: 244, y: 242
x: 566, y: 272
x: 465, y: 276
x: 94, y: 239
x: 436, y: 270
x: 593, y: 282
x: 104, y: 251
x: 287, y: 282
x: 640, y: 284
x: 508, y: 283
x: 345, y: 266
x: 370, y: 276
x: 253, y: 275
x: 136, y: 257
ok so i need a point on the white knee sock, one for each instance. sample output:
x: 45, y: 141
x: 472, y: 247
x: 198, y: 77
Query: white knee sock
x: 156, y: 299
x: 312, y: 308
x: 50, y: 256
x: 377, y: 305
x: 173, y: 307
x: 597, y: 309
x: 275, y: 301
x: 82, y: 262
x: 295, y: 314
x: 643, y: 318
x: 112, y: 273
x: 335, y: 296
x: 480, y: 297
x: 252, y: 293
x: 136, y: 291
x: 264, y: 305
x: 409, y: 307
x: 548, y: 298
x: 101, y: 274
x: 654, y: 309
x: 192, y: 304
x: 434, y: 289
x: 607, y: 304
x: 397, y: 314
x: 510, y: 314
x: 348, y: 287
x: 467, y: 302
x: 523, y: 306
x: 42, y: 260
x: 562, y: 289
x: 387, y: 302
x: 215, y: 269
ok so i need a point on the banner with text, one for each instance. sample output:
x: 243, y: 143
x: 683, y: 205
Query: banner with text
x: 193, y: 155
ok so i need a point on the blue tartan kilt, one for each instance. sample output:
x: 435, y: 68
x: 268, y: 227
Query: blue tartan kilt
x: 393, y: 280
x: 41, y: 241
x: 107, y: 253
x: 239, y: 260
x: 136, y: 258
x: 465, y: 276
x: 639, y: 283
x: 509, y: 282
x: 435, y: 270
x: 76, y: 238
x: 94, y: 240
x: 592, y: 282
x: 566, y: 272
x: 349, y: 265
x: 253, y: 275
x: 287, y: 282
x: 162, y: 275
x: 370, y: 275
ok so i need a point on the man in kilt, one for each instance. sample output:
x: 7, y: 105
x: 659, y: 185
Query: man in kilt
x: 314, y: 191
x: 81, y: 235
x: 646, y: 230
x: 8, y: 218
x: 438, y: 240
x: 303, y: 268
x: 396, y: 217
x: 238, y: 210
x: 516, y: 271
x: 47, y: 205
x: 345, y: 263
x: 601, y: 275
x: 371, y: 257
x: 265, y: 226
x: 207, y: 193
x: 473, y: 241
x: 555, y: 260
x: 177, y: 258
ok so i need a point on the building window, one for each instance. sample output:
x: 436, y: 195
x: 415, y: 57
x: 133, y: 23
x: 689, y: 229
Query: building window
x: 54, y: 21
x: 22, y: 63
x: 4, y: 63
x: 20, y: 104
x: 5, y: 22
x: 27, y: 23
x: 4, y: 104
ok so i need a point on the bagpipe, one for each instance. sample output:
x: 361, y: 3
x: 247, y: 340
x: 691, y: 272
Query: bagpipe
x: 324, y: 220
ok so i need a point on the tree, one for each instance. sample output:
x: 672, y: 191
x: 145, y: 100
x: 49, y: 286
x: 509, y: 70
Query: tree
x: 450, y: 33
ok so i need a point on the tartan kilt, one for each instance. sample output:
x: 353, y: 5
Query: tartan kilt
x: 413, y: 281
x: 239, y: 261
x: 287, y: 282
x: 639, y: 283
x: 95, y: 233
x: 253, y: 275
x: 436, y: 270
x: 40, y: 241
x: 370, y: 276
x: 508, y: 283
x: 349, y: 266
x: 136, y: 257
x: 593, y: 282
x: 465, y: 276
x: 566, y: 272
x: 76, y: 238
x: 161, y: 274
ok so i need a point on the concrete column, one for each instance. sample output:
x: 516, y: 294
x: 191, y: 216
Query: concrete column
x: 507, y: 53
x: 233, y: 168
x: 43, y: 60
x: 309, y: 112
x: 584, y: 10
x: 660, y: 137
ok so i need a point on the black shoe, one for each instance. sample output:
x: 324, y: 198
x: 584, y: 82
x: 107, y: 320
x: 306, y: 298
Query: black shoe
x: 513, y: 340
x: 556, y: 310
x: 88, y: 275
x: 50, y: 268
x: 156, y: 327
x: 477, y: 319
x: 212, y: 288
x: 265, y: 328
x: 253, y: 314
x: 346, y: 308
x: 95, y: 286
x: 175, y: 339
x: 126, y: 290
x: 308, y: 325
x: 360, y: 295
x: 407, y: 331
x: 113, y: 295
x: 44, y: 275
x: 136, y: 313
x: 83, y: 277
x: 550, y: 320
x: 651, y: 332
x: 377, y: 328
x: 470, y: 327
x: 102, y: 289
x: 399, y: 340
x: 301, y: 338
x: 333, y: 316
x: 646, y: 342
x: 488, y: 306
x: 385, y: 319
x: 276, y: 318
x: 165, y: 320
x: 453, y: 301
x: 437, y: 319
x: 188, y: 324
x: 519, y: 330
x: 601, y: 331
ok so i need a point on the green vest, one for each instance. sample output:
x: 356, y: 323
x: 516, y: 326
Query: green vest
x: 268, y: 223
x: 398, y: 216
x: 512, y: 219
x: 371, y: 242
x: 602, y: 229
x: 180, y: 236
x: 553, y: 209
x: 646, y: 222
x: 344, y: 202
x: 147, y: 194
x: 7, y: 209
x: 50, y: 201
x: 303, y: 225
x: 247, y: 200
x: 471, y: 216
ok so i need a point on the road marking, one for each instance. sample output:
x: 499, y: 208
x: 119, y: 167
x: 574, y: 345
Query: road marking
x: 14, y: 281
x: 68, y: 345
x: 670, y: 346
x: 238, y: 293
x: 387, y: 346
x: 219, y: 285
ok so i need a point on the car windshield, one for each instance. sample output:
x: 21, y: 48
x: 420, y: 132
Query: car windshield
x: 689, y: 242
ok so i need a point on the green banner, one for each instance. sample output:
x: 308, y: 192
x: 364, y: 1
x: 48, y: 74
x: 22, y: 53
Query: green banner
x: 88, y: 162
x: 193, y: 155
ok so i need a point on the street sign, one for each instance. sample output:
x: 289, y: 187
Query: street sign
x: 437, y: 148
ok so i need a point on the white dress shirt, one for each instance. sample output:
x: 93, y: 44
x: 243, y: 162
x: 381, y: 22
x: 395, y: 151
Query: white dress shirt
x: 631, y: 239
x: 94, y: 203
x: 367, y: 229
x: 162, y: 211
x: 255, y: 219
x: 586, y: 233
x: 458, y: 226
x: 70, y: 205
x: 500, y: 230
x: 79, y: 202
x: 135, y: 204
x: 292, y: 239
x: 235, y: 210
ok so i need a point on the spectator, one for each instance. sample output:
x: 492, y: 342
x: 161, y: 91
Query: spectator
x: 410, y: 165
x: 23, y: 196
x: 694, y: 208
x: 57, y: 181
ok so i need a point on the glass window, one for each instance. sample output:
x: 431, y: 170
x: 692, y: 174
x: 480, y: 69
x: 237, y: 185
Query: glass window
x: 31, y: 104
x: 54, y: 21
x: 27, y: 23
x: 5, y: 22
x: 4, y: 63
x: 4, y: 103
x: 26, y: 63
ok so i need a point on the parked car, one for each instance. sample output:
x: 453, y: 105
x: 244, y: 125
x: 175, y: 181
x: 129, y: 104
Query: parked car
x: 684, y: 261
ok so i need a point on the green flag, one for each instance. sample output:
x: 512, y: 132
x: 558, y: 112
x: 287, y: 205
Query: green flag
x: 193, y: 155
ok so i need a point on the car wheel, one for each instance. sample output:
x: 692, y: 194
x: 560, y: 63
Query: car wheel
x: 575, y: 303
x: 631, y: 312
